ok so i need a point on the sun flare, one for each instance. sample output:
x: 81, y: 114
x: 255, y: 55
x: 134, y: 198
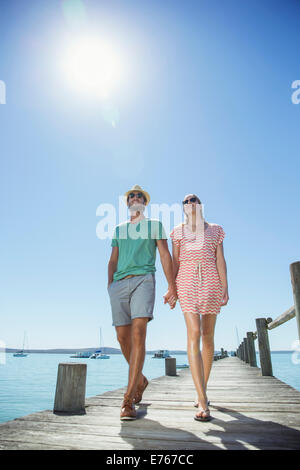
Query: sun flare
x: 92, y: 66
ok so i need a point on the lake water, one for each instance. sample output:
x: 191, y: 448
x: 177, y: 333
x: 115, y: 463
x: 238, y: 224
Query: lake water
x: 28, y: 384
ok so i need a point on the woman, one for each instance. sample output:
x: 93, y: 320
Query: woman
x: 201, y: 279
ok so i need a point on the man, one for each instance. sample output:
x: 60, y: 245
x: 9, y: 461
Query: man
x: 131, y: 287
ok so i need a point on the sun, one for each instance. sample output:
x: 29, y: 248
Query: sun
x: 92, y: 65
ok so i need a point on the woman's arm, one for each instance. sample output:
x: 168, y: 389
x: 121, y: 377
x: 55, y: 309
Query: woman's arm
x: 112, y: 264
x: 222, y: 270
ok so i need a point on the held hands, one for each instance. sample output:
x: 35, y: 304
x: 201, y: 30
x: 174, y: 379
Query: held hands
x: 170, y: 296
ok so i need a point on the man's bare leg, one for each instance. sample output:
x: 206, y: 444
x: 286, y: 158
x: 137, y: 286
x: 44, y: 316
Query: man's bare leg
x: 137, y: 355
x: 125, y: 335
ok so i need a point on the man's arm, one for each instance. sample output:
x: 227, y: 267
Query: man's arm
x: 166, y: 261
x: 112, y: 264
x: 175, y: 258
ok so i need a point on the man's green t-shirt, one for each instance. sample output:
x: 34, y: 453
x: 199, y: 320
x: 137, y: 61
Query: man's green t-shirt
x: 137, y: 246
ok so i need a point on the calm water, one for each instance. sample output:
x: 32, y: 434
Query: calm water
x: 28, y: 384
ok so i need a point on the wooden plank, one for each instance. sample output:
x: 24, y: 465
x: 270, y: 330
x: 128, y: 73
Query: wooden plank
x: 284, y: 317
x: 110, y: 417
x: 254, y: 435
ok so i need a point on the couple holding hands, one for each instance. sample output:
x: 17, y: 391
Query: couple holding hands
x: 196, y: 275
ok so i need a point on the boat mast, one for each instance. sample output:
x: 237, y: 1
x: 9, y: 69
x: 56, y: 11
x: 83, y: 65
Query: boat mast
x: 101, y: 341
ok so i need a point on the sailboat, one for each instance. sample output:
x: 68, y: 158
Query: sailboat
x: 99, y: 354
x: 21, y: 352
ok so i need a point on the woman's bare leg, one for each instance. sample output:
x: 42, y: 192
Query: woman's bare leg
x: 194, y: 355
x: 208, y: 323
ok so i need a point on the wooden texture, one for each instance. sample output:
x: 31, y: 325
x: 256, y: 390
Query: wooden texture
x: 251, y: 349
x: 264, y: 347
x: 295, y: 278
x: 70, y: 388
x: 170, y: 366
x: 284, y: 317
x: 246, y: 350
x: 249, y: 411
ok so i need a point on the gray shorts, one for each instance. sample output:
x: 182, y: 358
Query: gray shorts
x: 132, y: 298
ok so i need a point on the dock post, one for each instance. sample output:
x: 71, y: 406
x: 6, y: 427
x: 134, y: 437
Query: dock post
x: 242, y: 351
x: 251, y: 349
x: 264, y: 347
x: 170, y: 366
x: 246, y: 350
x: 70, y: 388
x: 295, y: 278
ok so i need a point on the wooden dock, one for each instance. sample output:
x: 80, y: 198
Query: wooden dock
x: 250, y: 411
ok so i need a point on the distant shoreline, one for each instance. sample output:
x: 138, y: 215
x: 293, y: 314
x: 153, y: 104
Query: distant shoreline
x: 107, y: 351
x: 80, y: 350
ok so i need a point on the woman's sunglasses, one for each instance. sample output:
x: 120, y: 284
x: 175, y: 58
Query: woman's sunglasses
x: 192, y: 199
x: 132, y: 195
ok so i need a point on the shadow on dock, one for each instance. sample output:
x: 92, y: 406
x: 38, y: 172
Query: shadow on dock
x: 239, y: 433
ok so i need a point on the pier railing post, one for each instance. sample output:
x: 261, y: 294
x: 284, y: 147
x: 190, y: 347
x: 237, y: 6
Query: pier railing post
x: 242, y: 351
x: 295, y: 278
x: 264, y: 346
x: 246, y: 350
x: 70, y: 388
x: 170, y: 366
x: 251, y: 349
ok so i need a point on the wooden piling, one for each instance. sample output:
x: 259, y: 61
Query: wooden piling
x: 170, y: 366
x: 246, y: 359
x: 251, y: 349
x: 70, y: 388
x: 242, y: 351
x: 295, y: 278
x: 264, y: 347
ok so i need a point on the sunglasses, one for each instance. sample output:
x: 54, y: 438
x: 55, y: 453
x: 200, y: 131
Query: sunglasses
x: 193, y: 199
x: 132, y: 195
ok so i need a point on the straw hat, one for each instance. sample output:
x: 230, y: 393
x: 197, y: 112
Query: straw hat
x: 136, y: 187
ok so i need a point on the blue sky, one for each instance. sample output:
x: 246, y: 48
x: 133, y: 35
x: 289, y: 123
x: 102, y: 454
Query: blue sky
x: 202, y: 103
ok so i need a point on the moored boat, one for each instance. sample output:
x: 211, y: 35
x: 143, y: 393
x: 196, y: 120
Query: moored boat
x: 161, y: 354
x: 21, y: 352
x: 81, y: 355
x: 99, y: 354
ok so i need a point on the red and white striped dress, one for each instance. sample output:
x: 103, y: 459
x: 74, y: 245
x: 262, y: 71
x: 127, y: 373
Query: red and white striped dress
x: 198, y: 283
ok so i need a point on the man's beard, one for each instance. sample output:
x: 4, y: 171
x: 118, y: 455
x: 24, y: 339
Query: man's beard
x: 135, y: 208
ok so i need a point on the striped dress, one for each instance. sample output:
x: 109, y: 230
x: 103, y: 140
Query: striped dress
x: 198, y: 283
